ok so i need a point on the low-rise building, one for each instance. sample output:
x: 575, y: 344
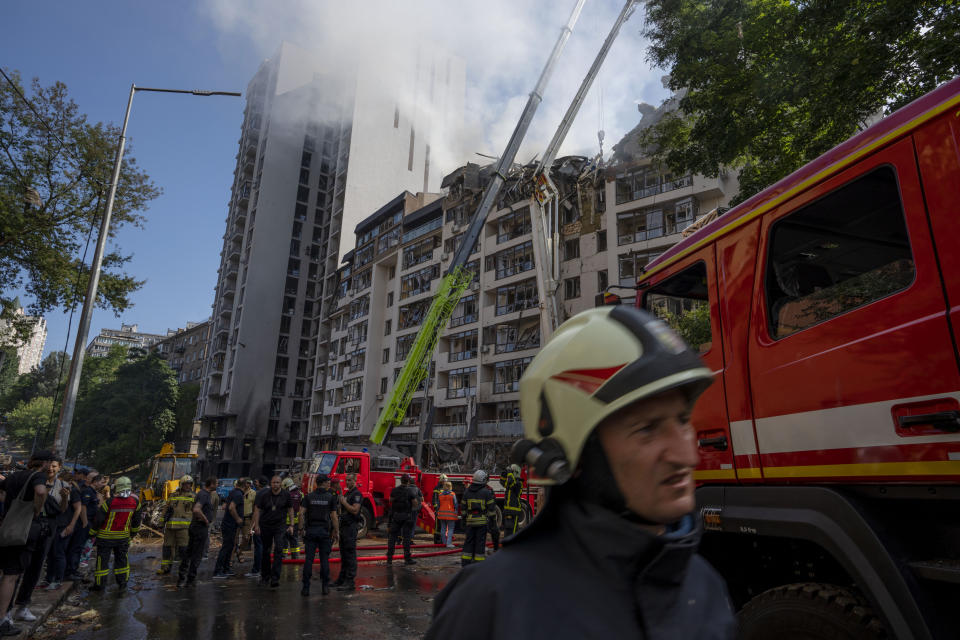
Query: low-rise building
x: 128, y: 335
x: 186, y: 351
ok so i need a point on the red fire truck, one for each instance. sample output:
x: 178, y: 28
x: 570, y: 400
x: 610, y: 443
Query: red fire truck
x: 379, y: 470
x: 830, y: 440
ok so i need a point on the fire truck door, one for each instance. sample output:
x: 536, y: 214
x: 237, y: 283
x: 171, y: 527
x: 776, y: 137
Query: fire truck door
x: 686, y: 297
x: 852, y: 366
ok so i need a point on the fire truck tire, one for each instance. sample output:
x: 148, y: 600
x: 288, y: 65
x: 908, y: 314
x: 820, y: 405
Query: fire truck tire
x: 810, y: 611
x: 526, y: 514
x: 367, y: 522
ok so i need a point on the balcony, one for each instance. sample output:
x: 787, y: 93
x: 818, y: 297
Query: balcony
x: 449, y: 432
x: 462, y: 392
x: 422, y: 230
x: 499, y: 429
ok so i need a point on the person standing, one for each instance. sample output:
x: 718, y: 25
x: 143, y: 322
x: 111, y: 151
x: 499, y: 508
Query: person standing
x: 89, y: 504
x: 249, y: 495
x: 27, y: 486
x: 55, y: 504
x: 513, y: 489
x: 66, y: 522
x: 291, y: 541
x: 478, y: 505
x: 606, y: 407
x: 261, y: 484
x: 271, y: 510
x: 447, y: 510
x: 319, y: 515
x: 404, y: 504
x: 351, y: 503
x: 202, y: 515
x: 229, y: 526
x: 177, y: 514
x: 118, y: 520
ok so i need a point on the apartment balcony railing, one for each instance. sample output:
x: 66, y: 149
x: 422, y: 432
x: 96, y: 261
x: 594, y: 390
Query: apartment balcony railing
x: 462, y: 392
x: 449, y: 431
x: 499, y: 428
x: 422, y: 230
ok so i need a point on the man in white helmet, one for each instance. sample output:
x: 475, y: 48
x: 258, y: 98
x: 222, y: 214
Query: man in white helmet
x: 512, y: 482
x: 606, y: 412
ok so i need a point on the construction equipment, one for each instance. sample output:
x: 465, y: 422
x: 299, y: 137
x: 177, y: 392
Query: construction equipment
x: 545, y: 210
x: 458, y: 278
x: 166, y: 469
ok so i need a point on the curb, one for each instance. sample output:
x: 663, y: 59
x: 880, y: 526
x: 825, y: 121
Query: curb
x: 42, y: 605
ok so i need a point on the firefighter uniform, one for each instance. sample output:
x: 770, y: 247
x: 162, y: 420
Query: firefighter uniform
x: 318, y: 531
x: 118, y: 520
x: 478, y: 503
x: 402, y: 520
x: 291, y: 541
x: 512, y: 512
x: 349, y: 524
x: 177, y: 515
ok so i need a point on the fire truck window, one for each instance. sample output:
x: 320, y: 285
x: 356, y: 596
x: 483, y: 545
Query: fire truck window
x: 839, y: 253
x: 348, y: 465
x: 682, y: 301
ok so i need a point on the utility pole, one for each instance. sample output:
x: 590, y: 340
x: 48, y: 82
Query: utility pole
x: 62, y: 438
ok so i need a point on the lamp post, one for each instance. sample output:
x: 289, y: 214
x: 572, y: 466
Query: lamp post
x: 76, y: 365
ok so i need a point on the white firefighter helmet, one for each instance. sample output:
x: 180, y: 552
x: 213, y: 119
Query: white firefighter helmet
x: 598, y: 362
x: 480, y: 476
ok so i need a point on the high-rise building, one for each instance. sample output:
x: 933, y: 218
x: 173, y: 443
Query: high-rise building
x: 30, y: 353
x: 128, y: 335
x: 320, y: 148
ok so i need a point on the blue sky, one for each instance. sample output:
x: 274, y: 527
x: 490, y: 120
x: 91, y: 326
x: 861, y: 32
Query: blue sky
x: 187, y: 144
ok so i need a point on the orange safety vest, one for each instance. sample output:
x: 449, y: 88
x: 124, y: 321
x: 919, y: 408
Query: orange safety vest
x: 447, y: 510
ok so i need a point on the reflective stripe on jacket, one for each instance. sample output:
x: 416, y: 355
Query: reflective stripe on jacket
x: 121, y: 519
x: 478, y: 504
x: 447, y: 506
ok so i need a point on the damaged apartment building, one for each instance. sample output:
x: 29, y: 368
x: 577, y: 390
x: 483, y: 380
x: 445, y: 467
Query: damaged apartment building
x: 612, y: 221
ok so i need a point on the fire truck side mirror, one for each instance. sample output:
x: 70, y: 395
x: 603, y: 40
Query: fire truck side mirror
x: 606, y: 299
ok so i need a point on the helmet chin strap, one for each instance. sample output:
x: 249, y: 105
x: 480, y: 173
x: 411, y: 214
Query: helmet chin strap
x: 596, y: 484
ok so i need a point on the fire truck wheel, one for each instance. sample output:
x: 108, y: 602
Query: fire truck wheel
x: 367, y: 522
x: 525, y: 514
x: 810, y: 611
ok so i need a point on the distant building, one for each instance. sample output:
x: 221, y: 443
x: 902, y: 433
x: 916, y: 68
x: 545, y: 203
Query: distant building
x: 30, y: 353
x: 186, y: 351
x: 128, y: 335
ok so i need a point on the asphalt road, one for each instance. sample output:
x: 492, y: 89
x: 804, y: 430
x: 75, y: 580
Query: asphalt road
x: 390, y: 602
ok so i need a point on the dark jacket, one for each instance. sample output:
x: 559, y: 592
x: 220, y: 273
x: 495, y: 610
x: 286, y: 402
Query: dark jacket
x: 582, y: 571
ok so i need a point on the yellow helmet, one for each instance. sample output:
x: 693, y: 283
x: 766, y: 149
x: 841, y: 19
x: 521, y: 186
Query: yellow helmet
x: 186, y: 479
x: 287, y: 484
x: 598, y: 362
x: 123, y: 484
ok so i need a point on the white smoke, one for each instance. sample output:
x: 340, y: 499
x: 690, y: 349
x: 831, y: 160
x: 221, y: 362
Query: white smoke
x: 504, y: 44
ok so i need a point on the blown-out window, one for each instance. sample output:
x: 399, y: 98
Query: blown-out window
x: 839, y: 253
x: 682, y: 302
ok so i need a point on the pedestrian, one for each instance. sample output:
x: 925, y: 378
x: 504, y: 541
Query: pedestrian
x: 118, y: 521
x: 202, y: 515
x: 606, y: 410
x: 53, y: 506
x: 215, y: 505
x: 101, y: 487
x: 89, y: 504
x: 351, y: 504
x: 319, y: 515
x: 272, y: 509
x: 66, y: 523
x: 478, y: 506
x: 447, y: 513
x: 260, y: 484
x: 177, y: 514
x: 291, y: 542
x: 230, y: 525
x: 512, y: 482
x: 404, y: 504
x: 27, y: 486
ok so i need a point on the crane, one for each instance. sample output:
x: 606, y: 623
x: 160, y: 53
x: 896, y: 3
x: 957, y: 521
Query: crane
x: 458, y: 278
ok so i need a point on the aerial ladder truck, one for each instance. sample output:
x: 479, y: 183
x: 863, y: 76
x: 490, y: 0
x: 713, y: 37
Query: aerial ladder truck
x: 458, y: 278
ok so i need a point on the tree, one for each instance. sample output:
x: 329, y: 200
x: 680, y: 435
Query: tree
x: 125, y: 420
x: 53, y: 188
x: 9, y: 369
x: 29, y: 418
x: 46, y: 380
x: 765, y: 86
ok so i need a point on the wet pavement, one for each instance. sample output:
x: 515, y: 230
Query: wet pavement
x: 390, y: 602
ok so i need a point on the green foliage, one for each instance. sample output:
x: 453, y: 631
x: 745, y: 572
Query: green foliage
x: 51, y: 195
x: 127, y: 419
x: 765, y: 86
x: 692, y: 325
x: 29, y: 418
x: 8, y: 370
x: 44, y: 381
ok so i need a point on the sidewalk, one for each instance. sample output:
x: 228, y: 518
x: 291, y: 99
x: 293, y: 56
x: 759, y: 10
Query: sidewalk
x: 42, y: 604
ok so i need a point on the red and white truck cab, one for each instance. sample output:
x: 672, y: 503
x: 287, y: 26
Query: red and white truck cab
x: 830, y: 440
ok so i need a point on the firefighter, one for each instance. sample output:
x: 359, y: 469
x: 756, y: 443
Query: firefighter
x: 118, y: 520
x: 437, y: 490
x: 291, y: 540
x: 477, y: 507
x: 606, y: 413
x: 319, y: 515
x: 404, y: 505
x: 351, y: 503
x: 513, y: 489
x: 177, y: 514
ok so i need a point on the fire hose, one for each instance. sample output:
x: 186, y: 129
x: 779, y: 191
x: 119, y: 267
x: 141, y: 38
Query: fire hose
x: 429, y: 554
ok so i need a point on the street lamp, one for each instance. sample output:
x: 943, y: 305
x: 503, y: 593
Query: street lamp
x: 73, y: 380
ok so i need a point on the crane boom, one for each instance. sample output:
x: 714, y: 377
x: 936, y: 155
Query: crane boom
x: 458, y: 278
x: 544, y: 215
